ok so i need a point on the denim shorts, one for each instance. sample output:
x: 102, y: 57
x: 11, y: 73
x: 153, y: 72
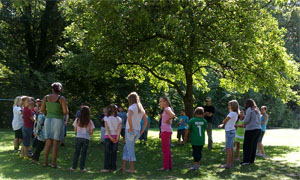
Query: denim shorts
x: 27, y: 136
x: 54, y: 129
x: 230, y: 138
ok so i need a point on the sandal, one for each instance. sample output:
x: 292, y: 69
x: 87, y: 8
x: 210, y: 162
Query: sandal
x: 129, y: 171
x: 45, y: 165
x: 105, y: 170
x: 55, y: 166
x: 72, y: 170
x: 35, y: 162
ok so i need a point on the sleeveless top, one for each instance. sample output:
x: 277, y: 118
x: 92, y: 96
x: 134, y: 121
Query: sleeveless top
x: 240, y: 131
x: 54, y: 109
x: 263, y: 126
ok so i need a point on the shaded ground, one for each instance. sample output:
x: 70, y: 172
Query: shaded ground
x: 282, y: 163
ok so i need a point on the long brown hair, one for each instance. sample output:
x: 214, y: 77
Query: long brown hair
x: 165, y: 98
x: 133, y: 98
x: 84, y: 117
x: 250, y: 103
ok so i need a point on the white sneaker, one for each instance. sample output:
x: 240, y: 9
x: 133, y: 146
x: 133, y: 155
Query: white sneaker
x: 258, y: 154
x: 244, y: 163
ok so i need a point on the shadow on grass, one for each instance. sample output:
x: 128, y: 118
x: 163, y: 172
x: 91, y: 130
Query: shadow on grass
x: 149, y: 159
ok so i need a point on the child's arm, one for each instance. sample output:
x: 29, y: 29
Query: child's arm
x: 224, y: 122
x: 91, y: 130
x: 265, y: 119
x: 119, y: 132
x: 145, y: 123
x: 129, y: 119
x: 171, y: 114
x: 186, y: 136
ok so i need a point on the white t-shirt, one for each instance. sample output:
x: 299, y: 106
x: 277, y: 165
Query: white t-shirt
x: 230, y: 124
x: 136, y: 117
x: 83, y: 132
x: 113, y: 124
x: 17, y: 122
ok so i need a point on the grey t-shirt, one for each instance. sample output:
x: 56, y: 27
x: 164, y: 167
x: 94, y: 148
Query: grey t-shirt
x: 252, y: 119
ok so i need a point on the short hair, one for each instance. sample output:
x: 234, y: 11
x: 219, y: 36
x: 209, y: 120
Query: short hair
x: 57, y: 87
x: 264, y: 107
x: 199, y: 111
x: 183, y: 110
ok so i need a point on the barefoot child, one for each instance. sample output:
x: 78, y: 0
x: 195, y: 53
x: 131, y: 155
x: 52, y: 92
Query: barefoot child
x: 113, y: 126
x: 264, y: 121
x: 83, y: 127
x: 196, y: 130
x: 239, y: 137
x: 229, y: 123
x: 182, y: 121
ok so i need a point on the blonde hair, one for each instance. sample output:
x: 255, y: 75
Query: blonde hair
x: 26, y: 98
x: 133, y: 98
x: 18, y: 101
x: 234, y: 106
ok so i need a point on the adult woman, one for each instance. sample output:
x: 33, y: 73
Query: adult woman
x: 252, y: 131
x: 55, y: 107
x: 17, y: 122
x: 133, y: 126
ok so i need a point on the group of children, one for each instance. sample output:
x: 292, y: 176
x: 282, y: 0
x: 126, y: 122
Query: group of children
x: 114, y: 120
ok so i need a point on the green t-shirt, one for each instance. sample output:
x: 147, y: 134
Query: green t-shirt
x: 197, y: 126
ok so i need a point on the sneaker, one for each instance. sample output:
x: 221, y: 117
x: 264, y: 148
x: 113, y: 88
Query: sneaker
x: 172, y: 145
x: 26, y: 158
x: 244, y: 163
x: 83, y: 170
x: 194, y: 168
x: 15, y: 151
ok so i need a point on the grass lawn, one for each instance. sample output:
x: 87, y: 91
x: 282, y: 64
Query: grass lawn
x: 282, y: 147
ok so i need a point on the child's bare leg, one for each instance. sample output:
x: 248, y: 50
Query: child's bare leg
x: 124, y: 165
x: 237, y: 151
x: 131, y: 166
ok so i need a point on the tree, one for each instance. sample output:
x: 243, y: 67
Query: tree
x: 180, y: 43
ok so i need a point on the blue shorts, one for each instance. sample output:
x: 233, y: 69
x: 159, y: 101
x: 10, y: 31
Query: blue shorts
x: 54, y: 129
x: 27, y: 136
x: 230, y: 138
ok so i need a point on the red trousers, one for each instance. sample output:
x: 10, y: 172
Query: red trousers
x: 165, y: 145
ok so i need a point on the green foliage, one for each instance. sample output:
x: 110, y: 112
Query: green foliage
x: 177, y: 43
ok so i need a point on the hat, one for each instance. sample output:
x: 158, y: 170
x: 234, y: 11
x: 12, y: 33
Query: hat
x: 208, y: 99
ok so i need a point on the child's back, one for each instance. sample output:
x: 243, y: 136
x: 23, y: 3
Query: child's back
x: 197, y: 126
x: 83, y: 132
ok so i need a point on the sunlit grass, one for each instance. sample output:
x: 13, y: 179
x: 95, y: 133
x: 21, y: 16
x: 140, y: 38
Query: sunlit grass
x: 283, y: 162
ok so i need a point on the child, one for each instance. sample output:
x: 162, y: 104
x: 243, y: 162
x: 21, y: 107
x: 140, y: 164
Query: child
x: 229, y: 123
x: 38, y: 132
x: 123, y: 115
x: 240, y: 132
x: 181, y: 124
x: 264, y: 121
x: 113, y: 126
x: 145, y: 133
x: 102, y: 124
x: 83, y: 127
x: 27, y: 130
x: 166, y: 132
x: 196, y: 128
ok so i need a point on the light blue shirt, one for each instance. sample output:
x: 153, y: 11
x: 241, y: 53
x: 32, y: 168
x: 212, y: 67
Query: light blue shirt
x: 182, y: 120
x: 263, y: 126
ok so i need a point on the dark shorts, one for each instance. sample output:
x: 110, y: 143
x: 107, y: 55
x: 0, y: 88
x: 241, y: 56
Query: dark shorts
x: 19, y: 134
x: 27, y: 136
x: 180, y: 133
x: 261, y: 136
x: 123, y: 132
x: 144, y: 136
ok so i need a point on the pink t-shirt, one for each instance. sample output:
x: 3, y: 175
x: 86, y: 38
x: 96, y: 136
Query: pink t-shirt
x: 165, y: 116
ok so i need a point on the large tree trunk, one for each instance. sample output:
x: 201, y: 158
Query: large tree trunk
x: 188, y: 98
